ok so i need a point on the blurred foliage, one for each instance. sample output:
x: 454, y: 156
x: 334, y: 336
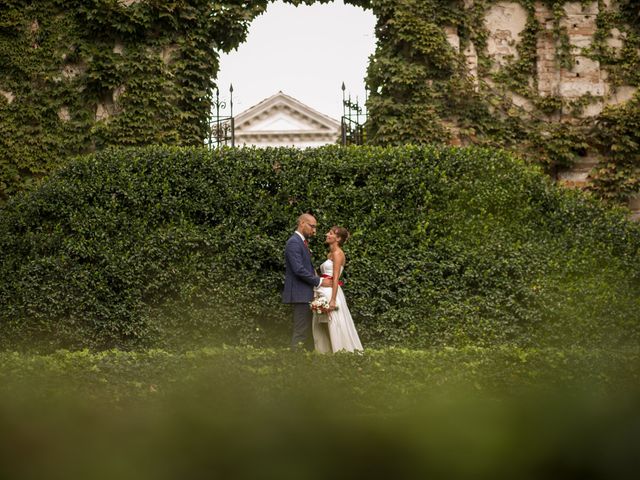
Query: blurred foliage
x: 377, y: 381
x: 159, y: 245
x: 469, y: 413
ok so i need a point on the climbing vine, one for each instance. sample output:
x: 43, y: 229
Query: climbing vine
x: 503, y: 106
x: 80, y: 75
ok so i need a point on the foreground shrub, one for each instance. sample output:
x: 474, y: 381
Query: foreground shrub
x: 158, y: 245
x: 450, y: 413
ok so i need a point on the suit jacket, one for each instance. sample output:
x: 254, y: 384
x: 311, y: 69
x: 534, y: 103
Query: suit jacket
x: 299, y: 277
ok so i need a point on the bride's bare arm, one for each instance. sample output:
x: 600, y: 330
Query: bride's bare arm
x: 338, y: 261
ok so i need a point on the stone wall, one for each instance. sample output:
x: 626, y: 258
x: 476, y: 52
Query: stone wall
x: 585, y: 81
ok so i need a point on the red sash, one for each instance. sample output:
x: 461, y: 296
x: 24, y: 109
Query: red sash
x: 324, y: 275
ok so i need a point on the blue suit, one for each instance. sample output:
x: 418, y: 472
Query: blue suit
x: 299, y: 280
x: 299, y: 277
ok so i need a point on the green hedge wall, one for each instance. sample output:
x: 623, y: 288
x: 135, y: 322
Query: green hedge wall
x: 167, y: 245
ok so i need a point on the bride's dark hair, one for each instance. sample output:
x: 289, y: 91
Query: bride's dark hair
x: 342, y: 234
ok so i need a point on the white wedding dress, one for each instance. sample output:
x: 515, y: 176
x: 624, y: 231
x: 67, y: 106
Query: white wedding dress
x: 339, y: 333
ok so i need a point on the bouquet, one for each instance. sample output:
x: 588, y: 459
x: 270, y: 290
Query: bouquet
x: 320, y: 305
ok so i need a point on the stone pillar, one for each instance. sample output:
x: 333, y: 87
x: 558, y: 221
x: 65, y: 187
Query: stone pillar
x: 471, y: 61
x: 585, y: 76
x: 505, y: 22
x: 578, y: 175
x: 547, y: 68
x: 452, y: 37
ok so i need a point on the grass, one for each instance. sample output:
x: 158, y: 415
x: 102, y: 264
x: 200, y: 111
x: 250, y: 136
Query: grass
x: 399, y: 374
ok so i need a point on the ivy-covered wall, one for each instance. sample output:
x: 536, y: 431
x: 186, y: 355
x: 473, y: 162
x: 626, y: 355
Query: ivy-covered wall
x: 560, y: 87
x: 78, y: 75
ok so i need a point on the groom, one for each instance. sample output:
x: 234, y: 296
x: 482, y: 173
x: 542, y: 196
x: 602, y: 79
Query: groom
x: 300, y: 278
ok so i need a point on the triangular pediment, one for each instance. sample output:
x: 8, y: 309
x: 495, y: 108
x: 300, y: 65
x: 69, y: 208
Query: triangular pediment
x: 282, y: 113
x: 277, y: 121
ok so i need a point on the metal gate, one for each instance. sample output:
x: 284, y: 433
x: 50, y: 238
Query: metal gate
x: 353, y: 120
x: 221, y: 127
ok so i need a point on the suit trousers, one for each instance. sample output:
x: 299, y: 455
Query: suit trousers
x: 302, y: 316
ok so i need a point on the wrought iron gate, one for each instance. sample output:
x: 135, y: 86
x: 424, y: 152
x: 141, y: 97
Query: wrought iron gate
x: 353, y: 119
x: 221, y: 127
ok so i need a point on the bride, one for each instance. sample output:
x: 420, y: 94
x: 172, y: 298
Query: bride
x: 334, y: 331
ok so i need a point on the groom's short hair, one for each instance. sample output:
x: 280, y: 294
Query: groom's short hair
x: 303, y: 218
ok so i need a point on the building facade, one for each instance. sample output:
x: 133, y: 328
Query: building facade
x: 283, y: 121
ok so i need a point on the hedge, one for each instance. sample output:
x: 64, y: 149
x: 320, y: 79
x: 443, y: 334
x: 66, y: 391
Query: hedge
x: 159, y: 246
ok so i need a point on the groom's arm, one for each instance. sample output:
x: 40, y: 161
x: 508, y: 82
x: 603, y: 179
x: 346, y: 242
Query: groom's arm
x: 294, y: 257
